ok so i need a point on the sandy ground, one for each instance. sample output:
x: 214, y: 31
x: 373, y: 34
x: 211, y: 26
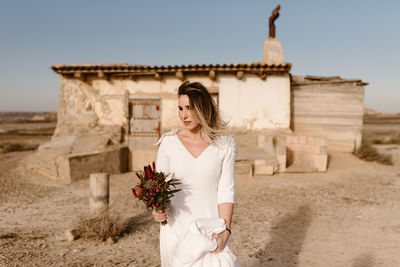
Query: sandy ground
x: 348, y: 216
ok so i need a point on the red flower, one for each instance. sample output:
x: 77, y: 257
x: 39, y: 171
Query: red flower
x: 138, y: 191
x: 148, y: 172
x: 154, y: 166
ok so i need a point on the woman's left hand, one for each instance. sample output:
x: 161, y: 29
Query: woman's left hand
x: 221, y: 238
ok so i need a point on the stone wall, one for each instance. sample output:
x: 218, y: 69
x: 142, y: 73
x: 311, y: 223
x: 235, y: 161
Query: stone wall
x: 87, y: 108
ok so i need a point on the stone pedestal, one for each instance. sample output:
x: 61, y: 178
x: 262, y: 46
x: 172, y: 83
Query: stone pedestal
x: 273, y: 51
x: 99, y: 192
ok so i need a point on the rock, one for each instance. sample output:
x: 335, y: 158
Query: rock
x: 110, y: 240
x: 71, y: 235
x: 61, y: 237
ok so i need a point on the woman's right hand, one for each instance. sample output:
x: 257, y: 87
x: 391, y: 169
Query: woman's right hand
x: 160, y: 215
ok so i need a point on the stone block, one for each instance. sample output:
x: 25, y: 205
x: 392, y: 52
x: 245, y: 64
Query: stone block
x: 44, y: 160
x: 321, y: 162
x: 75, y: 167
x: 243, y: 168
x: 263, y: 170
x: 300, y: 169
x: 260, y: 162
x: 306, y: 154
x: 90, y: 143
x: 62, y: 143
x: 281, y: 162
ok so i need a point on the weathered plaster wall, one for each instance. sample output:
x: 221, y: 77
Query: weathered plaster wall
x: 254, y: 103
x: 251, y: 103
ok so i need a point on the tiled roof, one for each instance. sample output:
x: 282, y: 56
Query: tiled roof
x: 310, y: 79
x: 138, y: 70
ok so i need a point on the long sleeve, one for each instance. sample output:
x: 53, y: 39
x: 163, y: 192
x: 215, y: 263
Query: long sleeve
x: 226, y: 183
x: 162, y: 161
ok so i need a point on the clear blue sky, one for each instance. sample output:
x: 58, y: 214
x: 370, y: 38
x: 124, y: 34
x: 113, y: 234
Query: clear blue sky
x: 353, y: 39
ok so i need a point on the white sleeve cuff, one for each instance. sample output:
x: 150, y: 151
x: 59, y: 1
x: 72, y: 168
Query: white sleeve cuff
x: 225, y: 197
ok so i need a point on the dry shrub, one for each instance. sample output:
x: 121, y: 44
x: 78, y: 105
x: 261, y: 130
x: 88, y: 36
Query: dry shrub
x: 369, y: 153
x: 387, y: 141
x: 100, y: 227
x: 395, y: 140
x: 12, y: 147
x: 377, y: 141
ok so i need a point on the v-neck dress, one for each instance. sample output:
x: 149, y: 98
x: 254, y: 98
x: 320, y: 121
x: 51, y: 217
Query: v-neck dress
x: 207, y: 181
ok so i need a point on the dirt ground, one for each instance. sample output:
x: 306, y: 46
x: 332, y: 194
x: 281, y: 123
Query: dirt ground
x: 348, y: 216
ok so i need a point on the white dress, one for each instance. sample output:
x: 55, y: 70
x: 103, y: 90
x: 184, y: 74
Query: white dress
x: 207, y: 181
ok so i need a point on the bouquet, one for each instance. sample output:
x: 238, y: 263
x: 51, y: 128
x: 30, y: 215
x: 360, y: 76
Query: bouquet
x: 154, y: 189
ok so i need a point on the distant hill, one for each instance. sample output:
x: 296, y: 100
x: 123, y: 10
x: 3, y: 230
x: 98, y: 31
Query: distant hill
x: 28, y: 116
x: 373, y: 112
x: 372, y: 116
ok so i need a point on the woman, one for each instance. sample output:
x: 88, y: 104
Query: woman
x: 204, y: 161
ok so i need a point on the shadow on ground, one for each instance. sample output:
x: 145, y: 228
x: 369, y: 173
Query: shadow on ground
x: 132, y: 224
x: 287, y: 239
x: 364, y: 260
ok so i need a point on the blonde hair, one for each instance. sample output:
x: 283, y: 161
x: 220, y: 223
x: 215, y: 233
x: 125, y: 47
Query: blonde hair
x: 204, y: 109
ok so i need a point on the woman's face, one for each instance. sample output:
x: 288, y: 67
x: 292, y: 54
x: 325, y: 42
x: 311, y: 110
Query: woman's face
x: 185, y: 113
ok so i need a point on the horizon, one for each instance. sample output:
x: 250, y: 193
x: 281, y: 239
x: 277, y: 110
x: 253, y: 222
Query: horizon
x: 351, y: 40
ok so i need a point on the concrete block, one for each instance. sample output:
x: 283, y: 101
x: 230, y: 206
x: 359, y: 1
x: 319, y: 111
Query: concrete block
x: 300, y: 169
x: 263, y: 170
x: 321, y: 162
x: 244, y: 168
x: 44, y: 160
x: 281, y: 168
x: 260, y: 162
x: 99, y: 192
x: 89, y: 143
x: 75, y: 167
x: 281, y: 163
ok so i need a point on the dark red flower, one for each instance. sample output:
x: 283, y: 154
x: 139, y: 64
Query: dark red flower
x: 148, y: 172
x: 138, y: 191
